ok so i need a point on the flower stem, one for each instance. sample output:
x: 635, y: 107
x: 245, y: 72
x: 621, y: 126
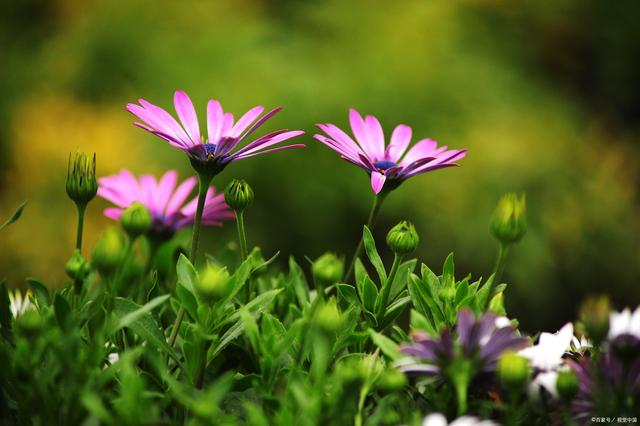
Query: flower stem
x: 242, y: 237
x: 386, y: 288
x: 375, y: 209
x: 203, y: 186
x: 81, y: 209
x: 503, y: 249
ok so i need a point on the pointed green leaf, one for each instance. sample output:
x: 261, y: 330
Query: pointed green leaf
x: 386, y: 345
x: 187, y: 274
x: 372, y: 254
x: 369, y: 295
x: 15, y: 216
x: 40, y: 292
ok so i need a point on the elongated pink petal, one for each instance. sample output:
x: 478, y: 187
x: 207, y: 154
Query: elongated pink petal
x: 375, y: 136
x: 214, y: 121
x: 245, y: 121
x: 259, y: 122
x: 148, y: 188
x: 258, y: 143
x: 113, y: 213
x: 267, y: 151
x: 187, y: 114
x: 377, y: 181
x: 336, y: 147
x: 165, y: 189
x: 359, y: 130
x: 227, y: 124
x: 180, y: 195
x: 341, y: 139
x: 400, y: 139
x: 422, y: 149
x: 272, y: 141
x: 170, y: 125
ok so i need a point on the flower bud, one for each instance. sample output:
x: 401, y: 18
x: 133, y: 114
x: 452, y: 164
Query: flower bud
x: 403, y: 239
x: 77, y: 267
x: 108, y: 251
x: 136, y: 220
x: 496, y: 305
x: 81, y: 183
x: 513, y: 370
x: 238, y: 195
x: 594, y: 315
x: 327, y: 317
x: 328, y: 268
x: 567, y: 385
x: 509, y: 224
x: 214, y: 283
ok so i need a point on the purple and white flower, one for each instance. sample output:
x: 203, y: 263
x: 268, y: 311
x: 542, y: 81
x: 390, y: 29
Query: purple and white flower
x: 387, y: 164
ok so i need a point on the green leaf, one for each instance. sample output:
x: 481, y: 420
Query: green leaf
x: 188, y: 300
x: 372, y: 254
x: 40, y: 292
x: 386, y: 345
x: 402, y: 278
x: 297, y: 281
x: 187, y: 274
x: 15, y: 216
x: 347, y: 293
x: 62, y: 309
x: 252, y: 331
x: 5, y: 310
x: 369, y: 295
x: 448, y: 270
x: 360, y: 272
x: 482, y: 296
x: 394, y: 310
x: 140, y: 321
x: 420, y: 322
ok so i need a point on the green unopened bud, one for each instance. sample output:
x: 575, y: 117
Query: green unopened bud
x: 238, y: 195
x: 327, y: 317
x: 328, y: 269
x: 403, y: 239
x: 77, y: 267
x: 594, y: 315
x: 497, y: 304
x: 513, y: 370
x: 81, y: 183
x: 214, y: 283
x: 136, y: 220
x: 567, y: 385
x: 509, y: 222
x: 108, y: 251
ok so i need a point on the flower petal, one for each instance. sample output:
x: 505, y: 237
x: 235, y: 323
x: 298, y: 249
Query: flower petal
x: 400, y: 139
x: 187, y: 114
x: 245, y: 121
x: 214, y: 121
x: 375, y: 137
x: 377, y: 181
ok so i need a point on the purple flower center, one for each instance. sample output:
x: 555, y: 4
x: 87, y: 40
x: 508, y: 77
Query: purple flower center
x: 210, y: 148
x: 383, y: 165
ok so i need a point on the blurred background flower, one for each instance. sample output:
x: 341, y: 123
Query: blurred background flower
x: 545, y: 96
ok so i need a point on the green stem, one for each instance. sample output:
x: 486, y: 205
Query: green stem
x: 203, y: 187
x: 373, y: 214
x: 461, y: 395
x: 81, y: 209
x: 242, y: 237
x: 503, y: 249
x: 386, y: 288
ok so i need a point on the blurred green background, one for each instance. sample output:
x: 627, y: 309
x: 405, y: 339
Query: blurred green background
x: 545, y: 95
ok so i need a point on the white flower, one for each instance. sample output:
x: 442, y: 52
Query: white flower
x: 547, y: 354
x: 580, y: 345
x: 621, y: 323
x: 19, y: 303
x: 437, y: 419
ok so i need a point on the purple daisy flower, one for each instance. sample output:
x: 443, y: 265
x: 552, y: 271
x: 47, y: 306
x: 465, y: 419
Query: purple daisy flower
x: 483, y: 340
x: 223, y: 133
x: 607, y: 387
x: 391, y: 165
x: 165, y: 201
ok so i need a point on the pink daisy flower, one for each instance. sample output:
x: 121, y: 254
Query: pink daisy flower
x: 218, y: 147
x: 388, y: 165
x: 165, y: 201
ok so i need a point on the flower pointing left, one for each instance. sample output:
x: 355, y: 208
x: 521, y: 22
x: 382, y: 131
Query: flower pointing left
x: 213, y: 151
